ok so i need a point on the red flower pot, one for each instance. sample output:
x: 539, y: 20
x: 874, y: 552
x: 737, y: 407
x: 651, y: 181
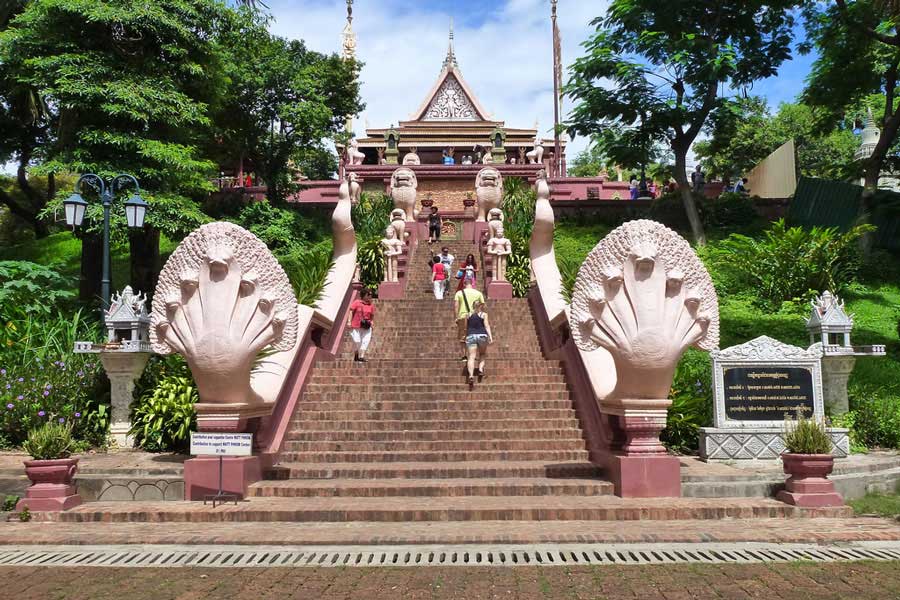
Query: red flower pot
x: 808, y: 485
x: 52, y: 486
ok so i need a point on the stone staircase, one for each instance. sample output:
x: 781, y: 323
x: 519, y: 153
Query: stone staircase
x: 405, y: 424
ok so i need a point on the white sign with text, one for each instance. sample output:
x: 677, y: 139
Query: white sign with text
x: 221, y: 444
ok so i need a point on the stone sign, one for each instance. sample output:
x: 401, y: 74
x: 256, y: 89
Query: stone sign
x: 756, y: 386
x: 767, y: 393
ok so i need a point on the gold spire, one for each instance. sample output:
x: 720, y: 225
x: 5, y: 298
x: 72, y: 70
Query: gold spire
x: 450, y: 60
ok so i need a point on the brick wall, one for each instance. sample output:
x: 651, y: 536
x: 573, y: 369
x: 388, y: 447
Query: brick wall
x: 447, y: 195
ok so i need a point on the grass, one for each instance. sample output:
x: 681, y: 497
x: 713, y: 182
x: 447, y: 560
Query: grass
x: 885, y: 505
x: 63, y: 250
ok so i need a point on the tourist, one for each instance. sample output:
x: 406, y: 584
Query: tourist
x: 448, y: 158
x: 741, y: 186
x: 633, y: 188
x: 478, y: 336
x: 447, y: 261
x: 698, y: 179
x: 467, y: 272
x: 434, y: 226
x: 463, y: 302
x: 248, y: 181
x: 438, y: 277
x: 362, y: 313
x: 652, y: 189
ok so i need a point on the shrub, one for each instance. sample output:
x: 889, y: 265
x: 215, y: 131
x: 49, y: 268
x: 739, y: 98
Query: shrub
x: 874, y: 420
x: 164, y: 417
x: 283, y: 229
x: 792, y: 262
x: 307, y: 270
x: 518, y: 210
x: 27, y: 289
x: 692, y: 401
x: 729, y: 211
x: 371, y: 216
x: 50, y: 441
x: 806, y: 436
x: 42, y: 380
x: 9, y: 503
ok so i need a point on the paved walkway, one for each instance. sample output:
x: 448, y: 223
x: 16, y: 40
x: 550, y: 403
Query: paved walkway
x: 818, y: 530
x: 789, y: 581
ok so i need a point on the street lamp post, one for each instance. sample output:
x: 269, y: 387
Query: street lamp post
x: 135, y: 211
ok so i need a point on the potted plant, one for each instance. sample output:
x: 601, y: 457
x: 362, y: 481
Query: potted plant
x: 808, y: 461
x: 51, y: 470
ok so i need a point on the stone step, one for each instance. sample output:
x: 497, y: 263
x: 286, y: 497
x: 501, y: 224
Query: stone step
x: 393, y: 406
x: 486, y: 386
x: 573, y: 443
x: 435, y: 456
x: 435, y: 424
x: 439, y: 488
x: 456, y: 391
x: 447, y: 470
x: 428, y: 366
x: 451, y: 414
x: 474, y: 508
x: 458, y: 435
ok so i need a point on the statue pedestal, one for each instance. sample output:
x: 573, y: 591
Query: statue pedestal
x: 123, y: 369
x: 201, y: 475
x: 499, y: 290
x: 390, y: 290
x: 835, y: 372
x: 638, y: 464
x: 478, y: 230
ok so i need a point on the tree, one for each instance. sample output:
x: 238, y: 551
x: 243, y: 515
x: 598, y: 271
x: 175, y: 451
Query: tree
x: 858, y: 56
x: 589, y: 162
x: 24, y: 128
x: 284, y: 103
x: 742, y: 133
x: 668, y: 59
x: 128, y: 84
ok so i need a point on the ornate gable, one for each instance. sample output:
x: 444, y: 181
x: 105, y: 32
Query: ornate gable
x: 451, y: 103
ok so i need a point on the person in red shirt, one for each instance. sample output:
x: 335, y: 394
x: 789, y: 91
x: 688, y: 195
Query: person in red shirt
x: 362, y: 313
x: 438, y: 275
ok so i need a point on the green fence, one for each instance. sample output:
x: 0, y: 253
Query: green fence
x: 824, y: 203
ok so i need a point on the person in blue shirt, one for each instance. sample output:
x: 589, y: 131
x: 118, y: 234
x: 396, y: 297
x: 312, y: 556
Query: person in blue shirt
x: 448, y: 158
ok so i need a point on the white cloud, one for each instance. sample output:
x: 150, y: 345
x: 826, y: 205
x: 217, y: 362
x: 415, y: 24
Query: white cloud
x: 505, y: 58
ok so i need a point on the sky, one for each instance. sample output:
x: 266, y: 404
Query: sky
x: 503, y: 47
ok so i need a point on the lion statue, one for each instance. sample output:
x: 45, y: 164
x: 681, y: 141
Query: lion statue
x: 488, y: 190
x: 403, y: 192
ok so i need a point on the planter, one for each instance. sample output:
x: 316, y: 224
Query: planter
x: 808, y: 485
x: 52, y: 486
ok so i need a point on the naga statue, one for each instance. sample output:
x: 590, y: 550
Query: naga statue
x: 488, y: 191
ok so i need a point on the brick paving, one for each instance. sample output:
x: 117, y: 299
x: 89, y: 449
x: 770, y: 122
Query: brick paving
x: 785, y: 581
x: 820, y: 530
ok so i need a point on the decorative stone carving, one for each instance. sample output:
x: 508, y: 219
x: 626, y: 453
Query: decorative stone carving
x: 487, y: 158
x: 500, y: 247
x: 644, y: 296
x: 398, y: 223
x: 488, y: 191
x: 451, y: 103
x: 543, y: 257
x: 536, y: 155
x: 344, y: 253
x: 127, y: 322
x: 392, y: 249
x: 221, y: 298
x: 403, y: 192
x: 354, y: 190
x: 495, y: 222
x: 354, y: 156
x: 411, y: 158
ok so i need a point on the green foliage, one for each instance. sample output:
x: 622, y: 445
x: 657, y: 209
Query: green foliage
x: 885, y: 505
x: 25, y: 515
x: 283, y: 102
x: 282, y: 229
x: 27, y: 288
x: 307, y: 270
x: 743, y: 132
x: 371, y: 216
x: 518, y: 209
x: 806, y: 436
x: 692, y: 401
x: 730, y: 212
x: 874, y: 420
x: 588, y: 163
x: 9, y: 503
x: 164, y: 417
x: 50, y: 441
x: 791, y: 262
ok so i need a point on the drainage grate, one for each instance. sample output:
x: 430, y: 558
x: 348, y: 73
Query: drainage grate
x: 449, y: 555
